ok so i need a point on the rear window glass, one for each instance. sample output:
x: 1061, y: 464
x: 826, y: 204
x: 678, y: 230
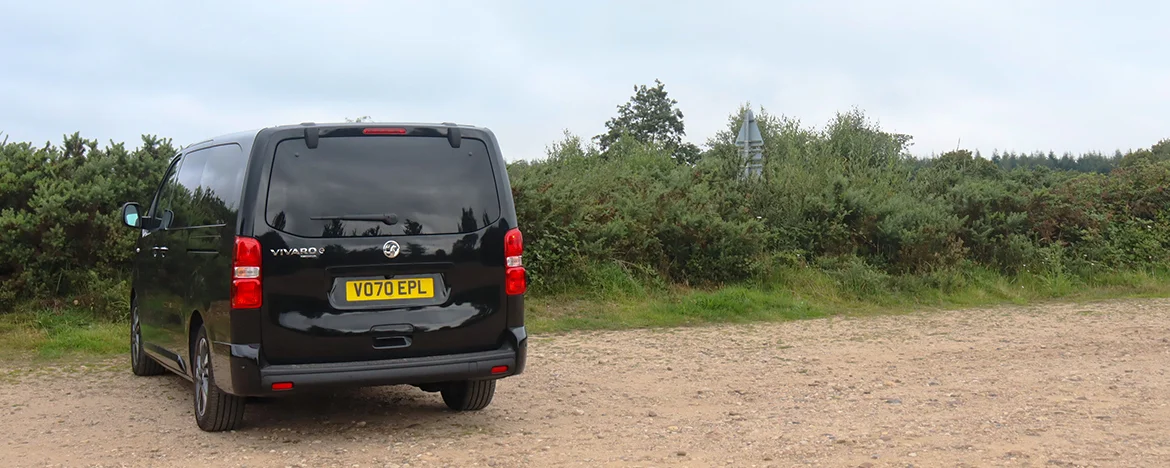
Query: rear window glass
x: 425, y: 184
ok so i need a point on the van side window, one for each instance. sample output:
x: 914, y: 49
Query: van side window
x: 178, y: 197
x: 223, y: 176
x: 207, y: 189
x: 157, y: 205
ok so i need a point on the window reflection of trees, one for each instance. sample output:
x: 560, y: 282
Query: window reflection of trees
x: 333, y: 228
x: 468, y: 223
x: 412, y: 228
x: 199, y: 207
x: 371, y: 232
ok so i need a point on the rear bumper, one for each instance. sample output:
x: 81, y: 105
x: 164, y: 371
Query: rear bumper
x: 249, y: 379
x: 430, y: 369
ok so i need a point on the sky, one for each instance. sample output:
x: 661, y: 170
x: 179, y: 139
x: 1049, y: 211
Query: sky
x: 1014, y: 75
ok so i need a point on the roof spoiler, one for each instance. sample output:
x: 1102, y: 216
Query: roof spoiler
x: 313, y: 135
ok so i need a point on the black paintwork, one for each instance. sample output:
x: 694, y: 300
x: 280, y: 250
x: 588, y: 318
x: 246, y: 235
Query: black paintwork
x: 183, y: 278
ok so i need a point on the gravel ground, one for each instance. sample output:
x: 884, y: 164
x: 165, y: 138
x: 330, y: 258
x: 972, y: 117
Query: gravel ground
x: 1052, y: 385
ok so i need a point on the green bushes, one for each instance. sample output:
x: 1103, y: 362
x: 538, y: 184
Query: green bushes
x: 636, y: 206
x: 844, y: 205
x: 846, y: 200
x: 59, y: 232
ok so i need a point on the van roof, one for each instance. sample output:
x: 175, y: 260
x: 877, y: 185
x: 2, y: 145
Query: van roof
x: 247, y: 136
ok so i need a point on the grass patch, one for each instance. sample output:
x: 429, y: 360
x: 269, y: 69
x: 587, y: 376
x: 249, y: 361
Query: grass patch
x: 54, y: 334
x: 803, y: 293
x: 736, y: 304
x: 620, y: 298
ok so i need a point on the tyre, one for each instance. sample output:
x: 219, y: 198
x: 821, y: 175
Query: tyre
x: 214, y: 410
x: 469, y: 395
x: 140, y: 363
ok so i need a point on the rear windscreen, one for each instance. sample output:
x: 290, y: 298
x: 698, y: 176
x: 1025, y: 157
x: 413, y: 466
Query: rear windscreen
x: 415, y: 185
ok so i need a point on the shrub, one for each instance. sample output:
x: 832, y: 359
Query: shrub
x: 59, y: 231
x: 846, y: 200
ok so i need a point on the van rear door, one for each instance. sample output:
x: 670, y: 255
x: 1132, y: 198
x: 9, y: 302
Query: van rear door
x: 381, y: 244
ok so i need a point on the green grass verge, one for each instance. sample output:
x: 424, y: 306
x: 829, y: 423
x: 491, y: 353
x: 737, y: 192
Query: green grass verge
x: 619, y: 301
x: 55, y: 334
x: 615, y: 298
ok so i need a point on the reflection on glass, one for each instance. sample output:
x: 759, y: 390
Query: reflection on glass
x: 333, y: 228
x: 412, y: 228
x: 206, y: 191
x: 371, y: 232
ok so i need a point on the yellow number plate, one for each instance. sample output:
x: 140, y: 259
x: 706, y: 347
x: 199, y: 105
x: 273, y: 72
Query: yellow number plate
x: 380, y: 290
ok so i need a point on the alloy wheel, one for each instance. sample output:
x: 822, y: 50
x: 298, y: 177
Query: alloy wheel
x: 135, y: 337
x: 202, y: 377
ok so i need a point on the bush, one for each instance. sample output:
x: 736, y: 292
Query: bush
x: 59, y: 231
x: 635, y: 204
x: 846, y: 200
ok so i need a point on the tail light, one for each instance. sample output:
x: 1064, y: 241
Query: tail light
x: 246, y: 291
x: 515, y: 278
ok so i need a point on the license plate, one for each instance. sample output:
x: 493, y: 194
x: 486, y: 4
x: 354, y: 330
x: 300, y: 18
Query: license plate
x: 391, y: 289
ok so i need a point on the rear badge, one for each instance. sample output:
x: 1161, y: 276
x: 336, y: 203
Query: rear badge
x: 308, y: 252
x: 391, y: 249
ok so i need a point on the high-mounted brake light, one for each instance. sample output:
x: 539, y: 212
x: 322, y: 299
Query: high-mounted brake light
x: 383, y: 131
x: 515, y: 278
x: 246, y: 290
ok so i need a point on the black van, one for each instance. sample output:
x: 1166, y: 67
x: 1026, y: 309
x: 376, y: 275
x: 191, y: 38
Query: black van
x: 299, y: 257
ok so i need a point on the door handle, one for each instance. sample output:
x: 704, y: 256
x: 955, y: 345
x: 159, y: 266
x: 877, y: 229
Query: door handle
x: 159, y: 251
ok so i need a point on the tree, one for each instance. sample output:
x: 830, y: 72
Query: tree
x: 650, y: 117
x: 1161, y: 150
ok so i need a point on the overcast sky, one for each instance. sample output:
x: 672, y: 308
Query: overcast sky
x: 1022, y: 75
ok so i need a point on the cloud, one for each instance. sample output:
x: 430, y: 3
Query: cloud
x: 1076, y: 76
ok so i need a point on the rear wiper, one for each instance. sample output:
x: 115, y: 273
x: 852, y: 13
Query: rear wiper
x: 388, y: 218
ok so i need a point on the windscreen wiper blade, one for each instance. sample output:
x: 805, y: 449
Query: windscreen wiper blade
x: 388, y: 218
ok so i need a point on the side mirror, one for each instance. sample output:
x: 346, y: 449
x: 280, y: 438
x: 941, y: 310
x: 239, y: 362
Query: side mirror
x: 131, y: 216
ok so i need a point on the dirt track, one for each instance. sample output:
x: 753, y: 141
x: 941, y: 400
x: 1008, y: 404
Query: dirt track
x: 1059, y: 385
